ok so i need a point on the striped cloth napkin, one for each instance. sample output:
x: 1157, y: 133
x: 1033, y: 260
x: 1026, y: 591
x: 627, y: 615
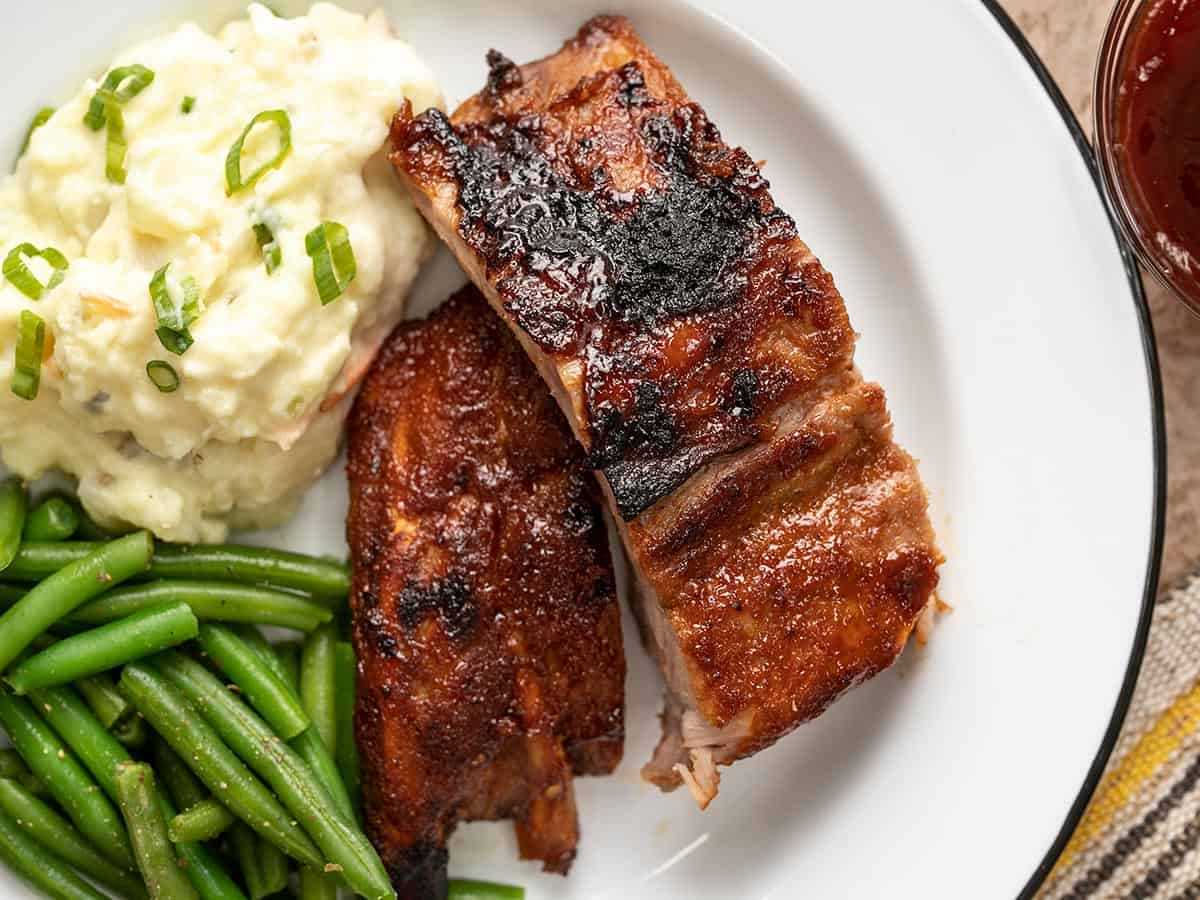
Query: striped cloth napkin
x: 1139, y: 836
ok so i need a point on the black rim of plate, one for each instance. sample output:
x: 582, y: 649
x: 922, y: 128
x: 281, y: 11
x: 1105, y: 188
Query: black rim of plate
x: 1154, y: 376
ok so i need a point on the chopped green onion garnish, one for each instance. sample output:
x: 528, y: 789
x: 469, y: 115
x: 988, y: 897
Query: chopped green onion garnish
x: 272, y: 255
x: 174, y: 317
x: 163, y: 374
x: 31, y: 341
x: 121, y: 85
x: 18, y: 274
x: 115, y: 146
x: 42, y: 117
x: 186, y: 106
x: 333, y: 259
x: 234, y: 181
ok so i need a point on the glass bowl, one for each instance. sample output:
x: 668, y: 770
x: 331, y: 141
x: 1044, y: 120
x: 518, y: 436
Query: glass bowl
x: 1175, y: 269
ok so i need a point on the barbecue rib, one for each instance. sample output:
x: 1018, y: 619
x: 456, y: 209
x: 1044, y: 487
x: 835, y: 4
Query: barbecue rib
x: 485, y: 620
x: 705, y: 361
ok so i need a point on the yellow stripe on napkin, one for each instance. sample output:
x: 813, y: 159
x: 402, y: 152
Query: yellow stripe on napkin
x: 1120, y: 784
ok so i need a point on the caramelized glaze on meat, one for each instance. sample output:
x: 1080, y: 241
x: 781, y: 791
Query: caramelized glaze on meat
x: 706, y: 362
x: 621, y: 232
x: 488, y: 634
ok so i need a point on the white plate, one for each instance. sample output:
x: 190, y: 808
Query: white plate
x: 931, y: 171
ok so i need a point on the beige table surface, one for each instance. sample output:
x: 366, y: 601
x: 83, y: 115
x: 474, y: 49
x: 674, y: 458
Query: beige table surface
x: 1067, y: 35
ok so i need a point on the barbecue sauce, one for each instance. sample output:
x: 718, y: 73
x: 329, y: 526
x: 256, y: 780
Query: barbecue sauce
x: 1158, y: 132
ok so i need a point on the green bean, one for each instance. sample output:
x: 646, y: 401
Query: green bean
x: 272, y: 868
x: 284, y: 660
x: 106, y: 647
x: 342, y: 843
x: 13, y: 504
x: 347, y: 747
x: 316, y: 885
x: 208, y: 756
x: 82, y: 732
x: 465, y: 889
x: 41, y: 869
x: 211, y: 602
x: 203, y: 869
x: 76, y: 792
x: 321, y: 578
x: 309, y: 744
x: 318, y: 682
x: 69, y: 587
x: 54, y: 519
x: 10, y: 594
x: 249, y: 670
x: 256, y: 565
x: 322, y: 764
x: 155, y: 853
x: 184, y: 788
x: 12, y: 766
x: 61, y: 838
x: 244, y: 844
x: 317, y: 745
x: 106, y: 708
x: 288, y: 655
x: 201, y: 822
x: 106, y: 702
x: 263, y: 872
x: 253, y: 638
x: 36, y: 561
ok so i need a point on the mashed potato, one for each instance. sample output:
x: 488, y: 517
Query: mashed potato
x: 263, y: 389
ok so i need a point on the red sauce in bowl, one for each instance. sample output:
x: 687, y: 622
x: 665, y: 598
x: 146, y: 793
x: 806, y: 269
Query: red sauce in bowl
x: 1157, y: 133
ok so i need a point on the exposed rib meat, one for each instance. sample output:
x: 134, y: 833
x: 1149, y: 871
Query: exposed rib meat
x: 705, y: 360
x: 485, y: 619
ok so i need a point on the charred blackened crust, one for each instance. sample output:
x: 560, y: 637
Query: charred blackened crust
x: 621, y: 233
x: 483, y: 599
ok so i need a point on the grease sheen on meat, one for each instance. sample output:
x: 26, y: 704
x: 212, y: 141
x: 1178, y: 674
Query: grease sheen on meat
x: 485, y: 620
x: 706, y: 362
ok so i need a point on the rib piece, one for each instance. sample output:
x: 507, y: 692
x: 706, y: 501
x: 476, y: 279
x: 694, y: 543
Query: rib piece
x: 705, y: 360
x: 488, y: 634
